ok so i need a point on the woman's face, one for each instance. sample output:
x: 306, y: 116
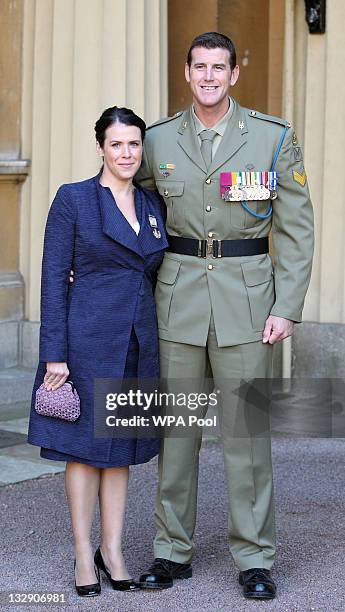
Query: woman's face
x: 122, y: 150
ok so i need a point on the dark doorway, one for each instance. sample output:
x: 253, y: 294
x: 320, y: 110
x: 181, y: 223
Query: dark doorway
x: 257, y: 29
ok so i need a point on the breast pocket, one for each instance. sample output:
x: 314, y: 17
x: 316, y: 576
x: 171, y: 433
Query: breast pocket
x: 259, y: 280
x: 166, y: 281
x: 172, y: 192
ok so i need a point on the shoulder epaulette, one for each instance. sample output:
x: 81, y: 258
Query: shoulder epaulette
x: 165, y: 120
x: 271, y: 118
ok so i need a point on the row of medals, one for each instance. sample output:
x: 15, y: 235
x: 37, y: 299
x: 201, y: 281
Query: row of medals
x: 239, y: 194
x: 247, y: 187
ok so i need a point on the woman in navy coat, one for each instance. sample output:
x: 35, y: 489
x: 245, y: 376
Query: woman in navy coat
x: 103, y: 325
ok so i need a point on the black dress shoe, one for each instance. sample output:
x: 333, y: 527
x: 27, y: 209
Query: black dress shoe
x: 118, y: 585
x: 162, y: 573
x: 257, y: 583
x: 89, y: 590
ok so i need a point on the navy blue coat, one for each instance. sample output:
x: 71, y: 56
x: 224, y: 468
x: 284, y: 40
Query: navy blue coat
x: 88, y: 324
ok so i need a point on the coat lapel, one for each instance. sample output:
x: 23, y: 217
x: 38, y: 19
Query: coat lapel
x: 114, y: 223
x: 234, y: 138
x: 188, y: 140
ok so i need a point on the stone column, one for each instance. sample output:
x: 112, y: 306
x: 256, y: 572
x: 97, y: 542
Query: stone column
x: 13, y: 172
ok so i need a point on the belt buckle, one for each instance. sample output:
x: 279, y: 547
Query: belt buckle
x: 212, y: 250
x: 209, y: 247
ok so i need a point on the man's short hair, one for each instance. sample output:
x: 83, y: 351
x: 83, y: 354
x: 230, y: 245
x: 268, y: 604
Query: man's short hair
x: 213, y: 40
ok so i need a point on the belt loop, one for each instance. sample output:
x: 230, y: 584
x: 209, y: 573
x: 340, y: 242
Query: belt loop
x: 216, y: 249
x: 202, y: 248
x: 219, y: 249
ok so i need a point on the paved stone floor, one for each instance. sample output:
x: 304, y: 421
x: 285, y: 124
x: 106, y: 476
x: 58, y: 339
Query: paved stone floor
x: 37, y: 551
x: 20, y: 461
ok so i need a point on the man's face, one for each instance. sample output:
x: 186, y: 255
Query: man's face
x: 210, y: 76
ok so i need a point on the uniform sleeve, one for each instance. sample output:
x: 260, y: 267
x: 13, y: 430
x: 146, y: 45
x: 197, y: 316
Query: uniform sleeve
x: 56, y: 265
x: 145, y: 175
x: 292, y: 232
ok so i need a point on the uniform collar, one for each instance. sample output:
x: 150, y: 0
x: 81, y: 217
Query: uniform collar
x: 235, y: 136
x: 220, y: 126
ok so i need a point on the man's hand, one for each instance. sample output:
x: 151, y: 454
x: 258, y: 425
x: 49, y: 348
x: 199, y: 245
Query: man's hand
x: 56, y: 375
x: 276, y: 329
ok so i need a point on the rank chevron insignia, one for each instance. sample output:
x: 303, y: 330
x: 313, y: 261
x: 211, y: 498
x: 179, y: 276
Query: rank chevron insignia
x: 299, y: 178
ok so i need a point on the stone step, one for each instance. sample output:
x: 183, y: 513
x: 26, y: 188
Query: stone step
x: 16, y: 385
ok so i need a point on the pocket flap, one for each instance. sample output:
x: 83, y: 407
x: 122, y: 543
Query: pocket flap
x: 257, y: 272
x: 168, y: 271
x: 168, y: 189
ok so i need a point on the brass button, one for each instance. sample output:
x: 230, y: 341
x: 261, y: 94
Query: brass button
x: 166, y: 192
x: 210, y: 234
x: 210, y: 267
x: 208, y: 181
x: 208, y: 208
x: 253, y: 113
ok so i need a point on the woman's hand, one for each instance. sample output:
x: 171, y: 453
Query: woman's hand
x: 56, y: 375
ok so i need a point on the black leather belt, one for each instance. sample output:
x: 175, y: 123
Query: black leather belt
x: 218, y: 248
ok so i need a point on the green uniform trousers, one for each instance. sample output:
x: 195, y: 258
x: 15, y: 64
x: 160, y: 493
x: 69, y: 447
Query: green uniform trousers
x: 246, y: 448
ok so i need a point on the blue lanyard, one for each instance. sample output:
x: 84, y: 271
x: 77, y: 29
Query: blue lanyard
x: 270, y: 208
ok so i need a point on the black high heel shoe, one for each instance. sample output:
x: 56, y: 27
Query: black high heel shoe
x: 118, y: 585
x: 89, y: 590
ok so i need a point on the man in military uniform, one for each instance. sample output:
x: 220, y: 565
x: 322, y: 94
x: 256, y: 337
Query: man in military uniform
x: 228, y: 175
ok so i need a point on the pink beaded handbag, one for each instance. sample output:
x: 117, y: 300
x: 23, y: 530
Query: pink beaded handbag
x: 63, y: 403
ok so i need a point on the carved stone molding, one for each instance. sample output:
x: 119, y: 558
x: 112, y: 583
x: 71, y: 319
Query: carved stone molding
x: 14, y: 170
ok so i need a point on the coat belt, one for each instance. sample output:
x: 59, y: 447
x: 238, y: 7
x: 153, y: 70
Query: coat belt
x: 217, y: 248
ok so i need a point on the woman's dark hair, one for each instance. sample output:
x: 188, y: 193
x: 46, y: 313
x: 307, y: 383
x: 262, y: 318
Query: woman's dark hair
x: 213, y: 40
x: 114, y: 114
